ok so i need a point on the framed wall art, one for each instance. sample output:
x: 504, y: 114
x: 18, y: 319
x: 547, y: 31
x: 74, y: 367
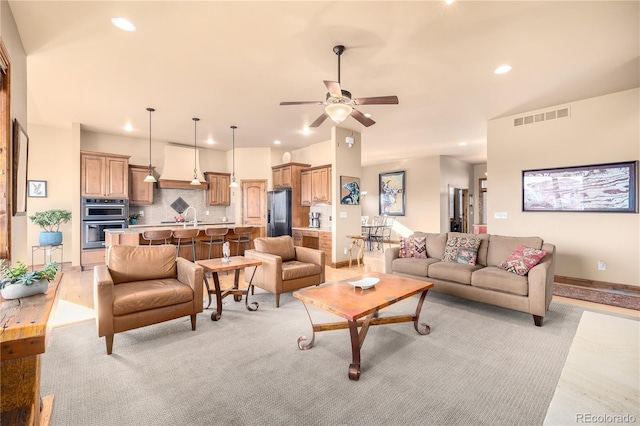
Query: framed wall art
x: 392, y: 194
x: 37, y: 188
x: 611, y: 187
x: 20, y: 153
x: 349, y: 190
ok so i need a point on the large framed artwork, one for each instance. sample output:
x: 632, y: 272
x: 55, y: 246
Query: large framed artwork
x: 611, y: 187
x: 392, y: 194
x: 349, y: 190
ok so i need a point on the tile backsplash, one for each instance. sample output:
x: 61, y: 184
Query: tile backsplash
x: 325, y: 214
x: 161, y: 209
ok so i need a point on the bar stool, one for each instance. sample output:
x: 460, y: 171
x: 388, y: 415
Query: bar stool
x: 243, y: 236
x: 185, y: 237
x: 157, y: 236
x: 216, y: 237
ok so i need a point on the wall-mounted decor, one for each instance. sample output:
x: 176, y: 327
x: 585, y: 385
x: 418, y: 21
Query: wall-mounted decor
x: 392, y: 194
x: 20, y: 153
x: 37, y: 188
x: 611, y: 187
x: 349, y: 190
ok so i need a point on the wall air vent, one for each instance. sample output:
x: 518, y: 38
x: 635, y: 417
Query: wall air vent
x: 542, y: 116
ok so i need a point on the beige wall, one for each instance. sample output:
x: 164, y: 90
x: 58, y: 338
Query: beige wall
x: 599, y: 130
x: 317, y: 154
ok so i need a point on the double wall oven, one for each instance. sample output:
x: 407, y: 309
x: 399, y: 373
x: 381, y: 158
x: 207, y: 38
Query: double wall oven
x: 98, y: 215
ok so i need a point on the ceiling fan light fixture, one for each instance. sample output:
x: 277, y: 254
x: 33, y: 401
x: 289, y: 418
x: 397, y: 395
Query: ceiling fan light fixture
x: 338, y: 111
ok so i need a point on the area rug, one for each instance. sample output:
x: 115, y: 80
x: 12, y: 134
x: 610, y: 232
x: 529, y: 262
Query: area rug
x: 629, y: 301
x: 480, y: 365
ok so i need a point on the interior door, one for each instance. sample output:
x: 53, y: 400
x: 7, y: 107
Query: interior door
x: 254, y: 202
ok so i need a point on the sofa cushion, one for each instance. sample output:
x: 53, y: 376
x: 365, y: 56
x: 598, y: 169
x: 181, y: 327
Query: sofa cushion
x: 457, y: 242
x: 493, y: 278
x: 501, y: 247
x: 522, y: 259
x: 294, y: 269
x: 451, y: 271
x: 419, y: 247
x: 139, y: 263
x: 434, y: 242
x: 484, y: 244
x: 418, y: 267
x: 280, y: 246
x: 140, y: 296
x: 406, y: 248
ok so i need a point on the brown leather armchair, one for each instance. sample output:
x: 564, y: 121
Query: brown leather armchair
x: 284, y: 267
x: 144, y: 285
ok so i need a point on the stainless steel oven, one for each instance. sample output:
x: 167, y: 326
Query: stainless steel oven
x: 105, y: 209
x: 93, y: 231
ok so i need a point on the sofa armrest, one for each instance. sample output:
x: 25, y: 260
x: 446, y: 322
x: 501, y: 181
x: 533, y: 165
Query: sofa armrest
x: 309, y: 255
x: 390, y: 255
x: 103, y: 300
x: 268, y: 276
x: 192, y: 275
x: 541, y: 279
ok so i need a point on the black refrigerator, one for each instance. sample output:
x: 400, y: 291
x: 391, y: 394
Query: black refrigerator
x: 279, y: 212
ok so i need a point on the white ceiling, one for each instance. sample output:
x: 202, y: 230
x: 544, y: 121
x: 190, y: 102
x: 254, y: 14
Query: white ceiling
x: 233, y: 62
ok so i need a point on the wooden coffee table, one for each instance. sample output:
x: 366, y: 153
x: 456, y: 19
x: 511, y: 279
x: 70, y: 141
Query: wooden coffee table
x: 236, y: 263
x: 361, y: 308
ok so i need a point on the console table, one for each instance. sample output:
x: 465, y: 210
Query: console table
x: 25, y: 326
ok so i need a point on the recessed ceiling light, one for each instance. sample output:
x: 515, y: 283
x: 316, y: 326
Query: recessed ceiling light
x: 367, y: 115
x: 128, y: 127
x: 123, y: 24
x: 448, y: 1
x: 306, y: 131
x: 502, y: 69
x: 462, y: 143
x: 277, y: 142
x: 210, y: 141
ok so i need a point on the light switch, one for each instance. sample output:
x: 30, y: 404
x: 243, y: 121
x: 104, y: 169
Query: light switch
x: 500, y: 215
x: 343, y: 215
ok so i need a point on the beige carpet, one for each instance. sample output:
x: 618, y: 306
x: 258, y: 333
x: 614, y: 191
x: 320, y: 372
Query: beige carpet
x: 480, y: 365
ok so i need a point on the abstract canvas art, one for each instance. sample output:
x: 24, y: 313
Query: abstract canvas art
x: 608, y: 187
x: 392, y: 194
x: 349, y: 190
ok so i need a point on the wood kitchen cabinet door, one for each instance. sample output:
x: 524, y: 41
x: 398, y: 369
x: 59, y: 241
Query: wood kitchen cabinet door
x: 104, y: 175
x: 321, y: 185
x: 219, y: 193
x: 282, y: 177
x: 305, y: 188
x: 140, y: 192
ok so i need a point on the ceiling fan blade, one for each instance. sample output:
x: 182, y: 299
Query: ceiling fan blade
x: 377, y: 100
x: 334, y: 88
x: 365, y: 121
x: 319, y: 120
x: 302, y: 103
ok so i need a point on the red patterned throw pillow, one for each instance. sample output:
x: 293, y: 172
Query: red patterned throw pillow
x: 406, y: 247
x: 461, y: 249
x: 522, y: 260
x: 419, y: 247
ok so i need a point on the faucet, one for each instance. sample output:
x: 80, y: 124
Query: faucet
x: 195, y: 216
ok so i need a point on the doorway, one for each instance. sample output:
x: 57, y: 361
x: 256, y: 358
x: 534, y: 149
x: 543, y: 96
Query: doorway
x: 458, y: 209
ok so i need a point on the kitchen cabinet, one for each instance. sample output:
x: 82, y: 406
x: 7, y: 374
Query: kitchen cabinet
x: 104, y: 175
x: 219, y: 193
x: 325, y: 245
x: 316, y: 186
x: 140, y: 192
x: 305, y: 188
x: 297, y: 238
x: 289, y: 176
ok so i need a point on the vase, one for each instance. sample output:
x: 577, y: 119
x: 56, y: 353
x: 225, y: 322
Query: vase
x: 50, y: 238
x: 16, y: 291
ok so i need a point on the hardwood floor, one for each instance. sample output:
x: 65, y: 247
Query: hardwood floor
x: 76, y: 293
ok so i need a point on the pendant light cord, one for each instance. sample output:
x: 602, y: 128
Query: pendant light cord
x: 150, y: 111
x: 195, y: 134
x: 233, y: 156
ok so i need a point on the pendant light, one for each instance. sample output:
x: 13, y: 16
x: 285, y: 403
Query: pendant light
x: 150, y: 178
x: 233, y: 183
x: 195, y: 180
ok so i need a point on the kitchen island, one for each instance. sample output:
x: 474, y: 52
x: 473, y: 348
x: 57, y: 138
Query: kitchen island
x: 132, y: 236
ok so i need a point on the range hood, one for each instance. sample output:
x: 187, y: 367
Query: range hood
x: 178, y: 169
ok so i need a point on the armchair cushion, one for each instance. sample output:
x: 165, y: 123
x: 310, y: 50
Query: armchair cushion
x: 280, y: 246
x: 294, y: 269
x: 150, y: 294
x: 139, y: 263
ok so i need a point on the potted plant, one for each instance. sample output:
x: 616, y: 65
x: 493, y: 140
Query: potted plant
x: 133, y: 218
x: 17, y: 281
x: 50, y: 221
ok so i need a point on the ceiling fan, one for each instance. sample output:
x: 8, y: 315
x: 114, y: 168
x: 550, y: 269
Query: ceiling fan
x: 339, y: 104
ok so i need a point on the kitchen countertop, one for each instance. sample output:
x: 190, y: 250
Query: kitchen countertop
x: 311, y: 229
x: 138, y: 228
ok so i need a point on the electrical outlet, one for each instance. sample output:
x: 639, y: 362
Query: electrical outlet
x: 602, y: 265
x: 141, y: 213
x: 207, y: 212
x: 343, y: 215
x: 346, y: 251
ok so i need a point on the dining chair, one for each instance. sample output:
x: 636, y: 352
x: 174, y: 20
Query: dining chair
x: 216, y: 238
x: 242, y: 238
x: 186, y: 237
x: 385, y: 233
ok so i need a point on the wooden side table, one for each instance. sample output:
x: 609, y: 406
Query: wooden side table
x: 25, y: 324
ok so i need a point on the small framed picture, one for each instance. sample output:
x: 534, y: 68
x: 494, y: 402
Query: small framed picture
x: 37, y: 188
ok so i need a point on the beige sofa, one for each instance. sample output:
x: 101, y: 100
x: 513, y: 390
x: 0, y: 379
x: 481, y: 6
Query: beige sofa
x: 144, y: 285
x: 284, y: 267
x: 483, y: 282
